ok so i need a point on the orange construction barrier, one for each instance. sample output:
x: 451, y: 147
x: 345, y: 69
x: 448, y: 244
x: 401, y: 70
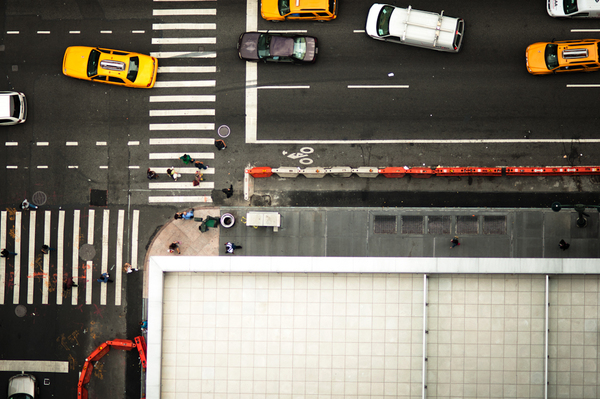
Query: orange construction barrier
x: 392, y: 172
x: 420, y: 173
x: 263, y: 171
x: 449, y: 172
x: 485, y: 171
x: 554, y: 171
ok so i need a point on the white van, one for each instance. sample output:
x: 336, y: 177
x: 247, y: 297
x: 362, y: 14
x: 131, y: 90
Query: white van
x: 573, y: 8
x: 415, y: 28
x: 13, y: 108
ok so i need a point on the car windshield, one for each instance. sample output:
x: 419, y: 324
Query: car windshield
x: 92, y: 66
x: 383, y: 22
x: 570, y: 6
x: 263, y: 46
x: 284, y: 7
x: 21, y: 396
x: 134, y: 63
x: 299, y: 47
x: 551, y: 56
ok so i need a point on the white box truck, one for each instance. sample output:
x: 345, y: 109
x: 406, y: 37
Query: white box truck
x: 415, y: 28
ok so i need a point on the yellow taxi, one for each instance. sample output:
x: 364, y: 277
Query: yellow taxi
x: 110, y: 66
x: 565, y: 56
x: 315, y: 10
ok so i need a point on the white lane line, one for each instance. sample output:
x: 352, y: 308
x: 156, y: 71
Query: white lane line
x: 133, y: 143
x: 46, y: 258
x: 71, y: 143
x: 74, y: 32
x: 106, y: 32
x: 188, y: 185
x: 184, y: 54
x: 42, y: 144
x: 75, y: 259
x: 176, y: 98
x: 584, y: 85
x: 43, y: 32
x: 184, y: 171
x: 104, y: 264
x: 11, y: 143
x: 138, y: 31
x: 42, y: 166
x: 184, y: 26
x: 177, y: 141
x: 187, y: 69
x: 133, y: 167
x: 584, y: 30
x: 73, y: 167
x: 101, y: 143
x: 184, y: 40
x: 182, y: 112
x: 103, y: 167
x: 283, y: 87
x: 420, y: 141
x: 358, y: 31
x: 179, y: 199
x: 89, y: 265
x: 282, y: 31
x: 35, y: 366
x: 378, y: 86
x: 31, y: 257
x: 60, y: 253
x: 12, y: 167
x: 182, y: 126
x: 3, y: 260
x: 185, y: 83
x: 186, y: 11
x: 12, y: 32
x: 251, y: 102
x: 17, y: 275
x: 134, y: 238
x: 177, y: 155
x: 251, y: 16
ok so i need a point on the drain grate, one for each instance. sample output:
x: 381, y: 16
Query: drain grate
x: 438, y: 224
x: 494, y: 225
x: 467, y: 224
x: 412, y: 225
x: 384, y: 224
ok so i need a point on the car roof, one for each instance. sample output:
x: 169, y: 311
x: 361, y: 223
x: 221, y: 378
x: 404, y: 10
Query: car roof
x: 5, y: 104
x: 588, y: 5
x: 308, y: 5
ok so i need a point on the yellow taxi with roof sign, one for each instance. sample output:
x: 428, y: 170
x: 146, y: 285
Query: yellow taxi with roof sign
x: 564, y: 56
x: 282, y: 10
x: 110, y: 66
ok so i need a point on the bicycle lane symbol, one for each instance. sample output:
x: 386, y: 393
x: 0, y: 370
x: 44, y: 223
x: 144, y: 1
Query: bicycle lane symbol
x: 301, y: 156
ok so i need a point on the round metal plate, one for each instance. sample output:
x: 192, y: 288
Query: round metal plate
x: 20, y: 310
x: 87, y: 252
x: 39, y: 198
x: 224, y: 131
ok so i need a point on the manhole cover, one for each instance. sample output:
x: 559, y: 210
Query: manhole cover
x: 412, y: 224
x: 87, y: 252
x: 384, y: 224
x: 39, y: 198
x: 224, y: 131
x: 494, y: 225
x: 438, y: 225
x: 20, y: 310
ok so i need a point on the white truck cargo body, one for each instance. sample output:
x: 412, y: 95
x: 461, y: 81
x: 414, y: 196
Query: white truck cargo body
x: 415, y: 28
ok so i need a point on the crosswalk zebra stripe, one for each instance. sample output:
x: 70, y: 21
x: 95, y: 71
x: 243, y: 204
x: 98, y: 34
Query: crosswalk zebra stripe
x: 187, y: 69
x: 75, y: 259
x: 182, y: 112
x: 182, y: 126
x: 17, y: 274
x: 177, y: 155
x: 187, y: 11
x: 46, y: 258
x: 60, y: 242
x: 134, y: 238
x: 89, y: 264
x: 31, y: 257
x: 185, y: 171
x: 179, y: 98
x: 104, y: 263
x: 119, y: 257
x: 2, y: 260
x: 185, y: 83
x: 184, y: 26
x: 184, y: 54
x: 181, y: 186
x: 179, y: 199
x: 181, y: 141
x: 184, y: 40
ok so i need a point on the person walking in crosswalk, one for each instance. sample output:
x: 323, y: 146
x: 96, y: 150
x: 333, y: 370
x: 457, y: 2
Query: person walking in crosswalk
x: 46, y: 249
x: 69, y: 284
x: 6, y: 253
x: 26, y: 205
x: 220, y: 144
x: 104, y: 278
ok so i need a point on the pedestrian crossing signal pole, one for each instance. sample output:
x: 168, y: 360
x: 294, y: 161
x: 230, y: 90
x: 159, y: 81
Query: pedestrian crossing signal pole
x: 579, y: 208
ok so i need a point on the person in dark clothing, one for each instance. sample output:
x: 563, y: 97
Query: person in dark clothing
x: 6, y: 253
x: 564, y: 245
x: 230, y: 247
x: 46, y: 249
x: 220, y: 144
x: 69, y: 284
x: 454, y: 242
x: 200, y: 165
x: 228, y: 191
x: 104, y: 278
x: 151, y: 174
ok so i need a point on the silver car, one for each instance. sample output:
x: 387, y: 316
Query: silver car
x: 573, y: 8
x: 22, y: 386
x: 13, y: 108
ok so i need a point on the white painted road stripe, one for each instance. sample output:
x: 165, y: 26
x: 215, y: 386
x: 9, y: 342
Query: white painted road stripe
x: 104, y: 257
x: 184, y: 54
x: 182, y: 126
x: 60, y: 242
x: 176, y: 98
x: 89, y: 264
x: 188, y: 185
x: 583, y: 85
x: 134, y: 238
x: 184, y: 141
x: 177, y: 155
x: 75, y: 259
x: 420, y: 141
x: 46, y: 257
x: 251, y: 101
x: 282, y: 31
x: 190, y: 11
x: 184, y: 26
x: 179, y: 199
x: 283, y: 87
x: 184, y: 40
x: 34, y: 366
x: 378, y: 86
x: 2, y: 260
x: 12, y: 32
x: 183, y: 171
x: 187, y: 69
x: 185, y: 83
x: 585, y: 30
x: 182, y: 112
x: 31, y: 258
x: 17, y: 275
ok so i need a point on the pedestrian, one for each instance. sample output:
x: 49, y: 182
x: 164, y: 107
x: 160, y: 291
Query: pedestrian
x: 46, y: 249
x: 144, y: 325
x: 230, y: 247
x: 174, y: 175
x: 25, y: 205
x: 454, y: 242
x: 564, y: 245
x: 228, y: 191
x: 130, y: 269
x: 220, y: 144
x: 178, y: 215
x: 6, y: 253
x: 188, y: 215
x: 151, y: 174
x: 198, y: 178
x: 186, y: 159
x: 104, y: 278
x: 174, y: 247
x: 200, y: 165
x: 69, y: 284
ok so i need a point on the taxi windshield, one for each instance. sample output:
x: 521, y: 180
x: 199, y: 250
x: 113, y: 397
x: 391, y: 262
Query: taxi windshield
x: 551, y: 56
x: 284, y: 7
x: 92, y: 66
x: 134, y: 64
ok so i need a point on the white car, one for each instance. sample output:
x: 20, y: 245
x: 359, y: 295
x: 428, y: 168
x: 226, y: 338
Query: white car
x: 22, y: 386
x: 573, y: 8
x: 13, y: 108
